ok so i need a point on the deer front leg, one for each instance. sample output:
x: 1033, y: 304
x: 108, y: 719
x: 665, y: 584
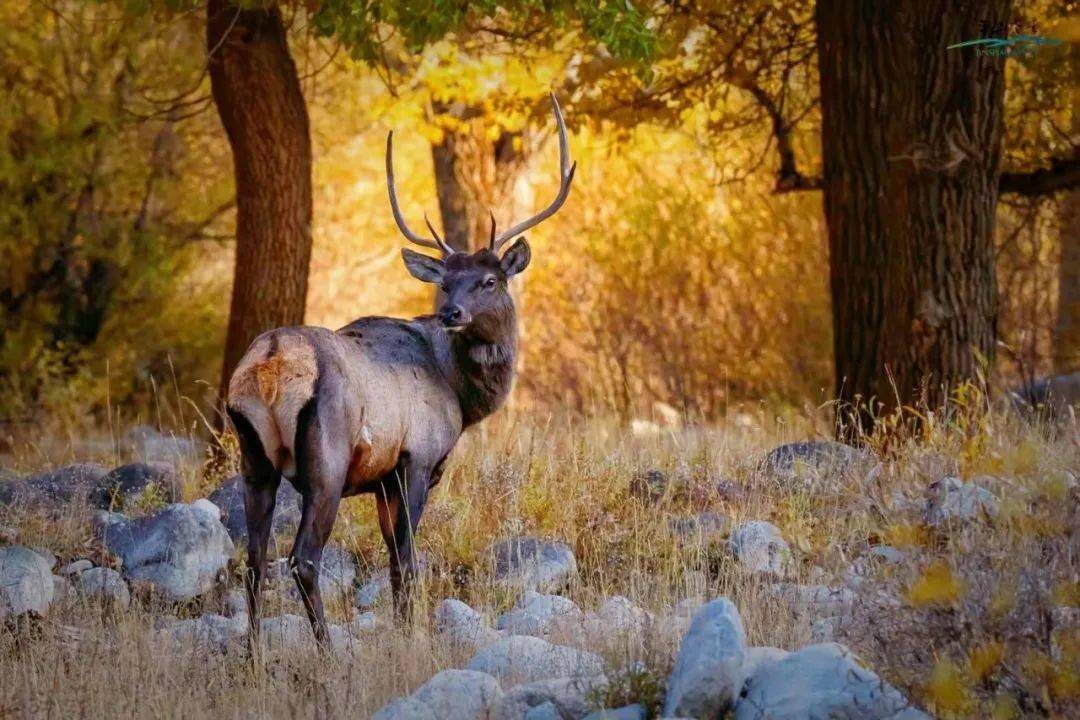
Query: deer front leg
x: 400, y: 503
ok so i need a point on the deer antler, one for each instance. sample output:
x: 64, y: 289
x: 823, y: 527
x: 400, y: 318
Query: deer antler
x: 566, y: 176
x: 437, y: 243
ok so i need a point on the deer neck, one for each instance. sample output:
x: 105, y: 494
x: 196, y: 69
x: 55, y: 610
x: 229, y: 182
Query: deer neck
x: 485, y: 367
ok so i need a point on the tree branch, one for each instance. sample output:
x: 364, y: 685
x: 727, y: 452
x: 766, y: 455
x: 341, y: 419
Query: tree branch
x: 788, y: 177
x: 1063, y: 174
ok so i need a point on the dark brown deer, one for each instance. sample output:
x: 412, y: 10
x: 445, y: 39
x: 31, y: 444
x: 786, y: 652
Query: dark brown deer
x: 377, y: 406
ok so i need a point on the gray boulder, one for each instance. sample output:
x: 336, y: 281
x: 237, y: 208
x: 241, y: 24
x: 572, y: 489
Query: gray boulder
x: 208, y: 633
x: 755, y: 659
x: 532, y: 564
x: 463, y: 627
x: 522, y: 659
x: 179, y: 550
x: 337, y: 573
x: 813, y: 600
x: 821, y: 681
x: 377, y: 587
x: 814, y: 457
x: 104, y: 584
x: 230, y: 498
x: 75, y: 567
x: 952, y: 501
x: 405, y: 708
x: 538, y: 615
x: 62, y: 590
x: 52, y: 488
x: 26, y: 582
x: 759, y: 547
x: 704, y: 527
x: 561, y: 698
x: 707, y: 669
x: 459, y: 695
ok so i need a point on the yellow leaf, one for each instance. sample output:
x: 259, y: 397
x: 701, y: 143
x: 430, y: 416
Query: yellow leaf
x: 936, y: 586
x: 948, y: 687
x: 985, y: 658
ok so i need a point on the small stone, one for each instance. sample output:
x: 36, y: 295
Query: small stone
x: 759, y: 547
x: 76, y: 567
x: 704, y: 527
x: 538, y: 615
x: 558, y: 698
x: 533, y: 564
x: 462, y: 626
x: 953, y: 501
x: 459, y: 694
x: 627, y: 712
x: 707, y: 669
x: 126, y: 483
x: 522, y: 658
x: 105, y: 584
x: 404, y: 709
x: 26, y: 582
x: 818, y: 458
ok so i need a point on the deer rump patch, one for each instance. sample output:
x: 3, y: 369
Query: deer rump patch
x: 272, y: 383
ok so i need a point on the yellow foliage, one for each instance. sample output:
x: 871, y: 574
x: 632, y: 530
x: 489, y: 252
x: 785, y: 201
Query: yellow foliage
x: 985, y: 658
x: 948, y: 688
x: 905, y: 536
x: 936, y: 586
x: 1005, y: 708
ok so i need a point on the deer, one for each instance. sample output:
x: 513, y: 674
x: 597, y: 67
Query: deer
x: 377, y: 406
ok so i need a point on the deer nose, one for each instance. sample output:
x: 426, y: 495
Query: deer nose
x: 453, y: 316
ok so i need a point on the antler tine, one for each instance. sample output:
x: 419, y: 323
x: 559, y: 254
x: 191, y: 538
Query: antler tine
x: 447, y: 250
x: 491, y: 240
x: 566, y: 176
x: 436, y: 244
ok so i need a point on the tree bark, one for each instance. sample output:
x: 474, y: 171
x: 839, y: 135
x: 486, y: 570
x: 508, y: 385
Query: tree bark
x: 911, y: 143
x: 1067, y: 326
x: 257, y: 93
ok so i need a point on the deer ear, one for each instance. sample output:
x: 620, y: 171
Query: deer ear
x: 516, y: 258
x: 422, y: 267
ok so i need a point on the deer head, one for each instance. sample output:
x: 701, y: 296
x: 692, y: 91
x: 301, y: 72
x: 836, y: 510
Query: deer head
x: 477, y: 298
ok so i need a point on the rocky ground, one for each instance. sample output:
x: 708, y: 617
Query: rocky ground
x: 677, y: 592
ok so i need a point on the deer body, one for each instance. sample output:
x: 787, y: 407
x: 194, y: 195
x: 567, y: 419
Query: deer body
x: 377, y: 406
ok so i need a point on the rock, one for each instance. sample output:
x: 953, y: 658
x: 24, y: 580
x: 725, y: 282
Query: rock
x: 627, y: 712
x: 867, y: 563
x: 522, y: 658
x: 47, y: 554
x: 362, y: 624
x: 127, y: 482
x: 707, y: 669
x: 208, y: 633
x: 26, y: 582
x: 953, y: 501
x: 616, y: 619
x: 816, y: 457
x: 813, y: 600
x: 538, y: 615
x: 179, y: 550
x: 230, y: 498
x: 459, y: 695
x: 754, y: 660
x: 404, y: 709
x: 62, y: 590
x: 532, y: 564
x: 559, y: 698
x: 150, y: 445
x: 649, y: 485
x: 702, y: 528
x: 105, y: 584
x: 236, y: 603
x: 55, y: 487
x: 759, y: 547
x: 821, y: 681
x: 377, y: 587
x: 75, y: 567
x: 462, y: 626
x: 286, y: 631
x: 338, y: 571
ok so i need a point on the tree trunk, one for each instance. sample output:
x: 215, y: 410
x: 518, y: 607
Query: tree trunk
x: 1067, y: 327
x: 257, y: 93
x: 911, y: 143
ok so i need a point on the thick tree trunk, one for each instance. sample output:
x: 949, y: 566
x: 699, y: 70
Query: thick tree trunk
x: 911, y: 142
x: 257, y: 93
x: 1067, y: 327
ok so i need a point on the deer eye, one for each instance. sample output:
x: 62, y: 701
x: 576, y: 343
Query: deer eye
x: 490, y: 282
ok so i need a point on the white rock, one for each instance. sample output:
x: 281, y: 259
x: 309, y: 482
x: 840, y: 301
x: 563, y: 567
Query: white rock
x: 757, y: 658
x: 459, y: 695
x: 404, y: 709
x: 522, y: 659
x: 463, y: 627
x: 532, y: 564
x: 26, y: 582
x: 62, y: 590
x: 76, y: 567
x: 538, y: 615
x: 953, y: 501
x: 703, y: 681
x: 627, y: 712
x: 758, y: 546
x: 179, y: 550
x: 206, y: 633
x: 363, y: 624
x: 286, y: 631
x: 204, y: 505
x: 821, y: 681
x: 236, y: 603
x: 565, y: 697
x: 813, y: 600
x: 103, y: 583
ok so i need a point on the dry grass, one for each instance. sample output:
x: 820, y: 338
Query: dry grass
x: 987, y: 633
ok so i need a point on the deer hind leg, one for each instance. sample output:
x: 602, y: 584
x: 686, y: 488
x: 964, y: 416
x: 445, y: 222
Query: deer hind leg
x: 322, y: 462
x: 261, y: 481
x: 400, y: 502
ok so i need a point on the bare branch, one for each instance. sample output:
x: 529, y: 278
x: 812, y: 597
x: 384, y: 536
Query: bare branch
x: 1063, y: 174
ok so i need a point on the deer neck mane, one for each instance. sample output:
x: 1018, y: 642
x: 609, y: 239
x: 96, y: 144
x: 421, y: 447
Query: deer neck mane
x: 485, y: 364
